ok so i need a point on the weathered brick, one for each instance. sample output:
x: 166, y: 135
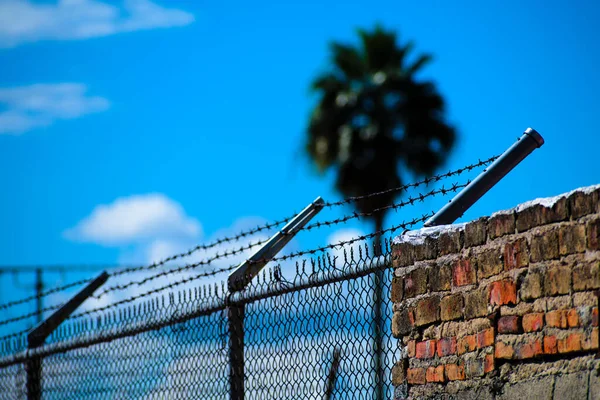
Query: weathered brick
x: 440, y: 277
x: 435, y: 374
x: 403, y: 254
x: 531, y: 287
x: 411, y: 348
x: 476, y: 303
x: 489, y: 363
x: 451, y: 307
x: 550, y: 344
x: 557, y: 319
x: 529, y: 348
x: 544, y: 246
x: 485, y: 338
x: 501, y: 224
x: 573, y: 318
x: 402, y: 322
x: 503, y: 292
x: 504, y: 350
x: 415, y: 283
x: 425, y: 349
x: 427, y: 311
x: 415, y: 376
x: 590, y: 342
x: 446, y: 347
x: 595, y: 316
x: 570, y: 344
x: 593, y: 234
x: 455, y: 372
x: 580, y: 204
x: 475, y: 232
x: 397, y: 289
x: 516, y: 254
x: 474, y: 367
x: 463, y: 273
x: 533, y: 322
x: 537, y: 215
x: 557, y: 280
x: 489, y: 263
x: 399, y: 372
x: 466, y: 344
x: 586, y: 276
x: 508, y: 324
x: 571, y: 239
x: 449, y: 243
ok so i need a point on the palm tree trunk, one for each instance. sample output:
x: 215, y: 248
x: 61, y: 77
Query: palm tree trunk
x: 378, y: 319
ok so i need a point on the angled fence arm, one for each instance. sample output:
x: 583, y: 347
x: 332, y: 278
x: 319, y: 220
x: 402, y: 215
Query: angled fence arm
x: 39, y: 334
x: 525, y: 145
x: 241, y: 277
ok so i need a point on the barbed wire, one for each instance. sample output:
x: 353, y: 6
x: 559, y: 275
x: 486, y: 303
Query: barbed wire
x: 253, y: 231
x: 411, y: 200
x: 348, y: 200
x: 403, y: 225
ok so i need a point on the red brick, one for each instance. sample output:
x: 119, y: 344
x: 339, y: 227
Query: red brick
x: 556, y: 319
x: 503, y: 292
x: 595, y: 316
x: 435, y: 374
x: 411, y: 348
x: 426, y: 349
x: 446, y: 347
x: 570, y: 344
x: 416, y: 376
x: 466, y: 344
x: 550, y: 345
x: 529, y: 349
x: 533, y: 322
x: 515, y: 254
x: 508, y: 324
x: 455, y: 372
x: 485, y: 338
x: 573, y: 318
x: 489, y: 363
x: 505, y: 351
x: 463, y: 273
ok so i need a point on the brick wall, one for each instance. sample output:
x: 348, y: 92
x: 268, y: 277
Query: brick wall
x: 504, y: 307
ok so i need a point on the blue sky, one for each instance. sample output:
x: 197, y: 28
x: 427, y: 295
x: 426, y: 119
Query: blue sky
x: 184, y: 120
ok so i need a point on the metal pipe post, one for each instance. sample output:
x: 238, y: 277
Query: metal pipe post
x: 530, y: 141
x: 38, y: 335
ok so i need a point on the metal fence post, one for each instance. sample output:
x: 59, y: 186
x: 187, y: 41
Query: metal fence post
x: 240, y: 278
x: 39, y: 334
x: 235, y: 314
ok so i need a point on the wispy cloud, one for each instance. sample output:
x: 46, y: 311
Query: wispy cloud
x: 28, y: 107
x: 136, y: 219
x: 23, y: 21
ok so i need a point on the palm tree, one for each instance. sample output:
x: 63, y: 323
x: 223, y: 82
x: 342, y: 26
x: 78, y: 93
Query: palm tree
x: 375, y: 123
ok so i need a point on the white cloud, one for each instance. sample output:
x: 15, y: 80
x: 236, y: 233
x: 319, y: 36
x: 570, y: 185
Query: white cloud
x: 23, y: 21
x: 135, y: 219
x: 30, y: 107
